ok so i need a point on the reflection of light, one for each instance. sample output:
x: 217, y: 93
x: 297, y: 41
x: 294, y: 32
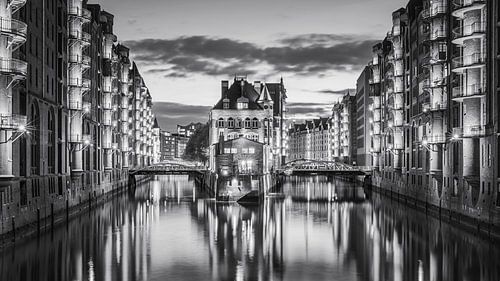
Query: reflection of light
x: 21, y: 128
x: 420, y: 270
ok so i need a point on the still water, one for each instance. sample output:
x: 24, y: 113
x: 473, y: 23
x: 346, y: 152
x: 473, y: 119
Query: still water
x: 167, y: 230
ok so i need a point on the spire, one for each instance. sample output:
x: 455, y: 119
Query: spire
x: 264, y: 96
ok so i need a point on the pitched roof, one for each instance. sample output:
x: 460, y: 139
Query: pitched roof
x: 239, y: 88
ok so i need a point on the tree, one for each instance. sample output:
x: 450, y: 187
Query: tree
x: 197, y: 145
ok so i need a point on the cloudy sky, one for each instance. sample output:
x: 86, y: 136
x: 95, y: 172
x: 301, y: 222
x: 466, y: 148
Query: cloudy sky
x: 185, y: 47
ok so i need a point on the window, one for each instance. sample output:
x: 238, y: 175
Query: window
x: 248, y: 124
x: 251, y: 150
x: 51, y: 126
x: 242, y: 105
x: 234, y: 150
x: 244, y: 150
x: 220, y: 123
x: 23, y: 194
x: 255, y: 123
x: 227, y: 150
x: 230, y: 123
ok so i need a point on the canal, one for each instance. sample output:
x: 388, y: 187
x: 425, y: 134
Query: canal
x: 168, y: 230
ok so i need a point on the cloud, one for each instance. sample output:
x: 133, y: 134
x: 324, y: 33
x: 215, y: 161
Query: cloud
x: 169, y: 114
x: 336, y: 92
x: 308, y: 110
x: 305, y: 55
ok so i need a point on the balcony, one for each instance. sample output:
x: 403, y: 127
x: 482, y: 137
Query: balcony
x: 434, y: 107
x: 107, y: 118
x: 434, y: 10
x: 462, y: 33
x: 15, y: 5
x: 81, y: 60
x: 436, y: 35
x: 461, y: 93
x: 82, y: 37
x: 78, y: 12
x: 474, y: 131
x: 13, y: 67
x: 463, y: 6
x: 83, y: 83
x: 80, y: 138
x: 460, y: 64
x: 75, y: 105
x: 434, y: 139
x: 13, y: 122
x: 15, y: 30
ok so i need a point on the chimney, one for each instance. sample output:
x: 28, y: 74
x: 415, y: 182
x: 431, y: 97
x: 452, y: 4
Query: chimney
x: 257, y: 86
x: 224, y: 88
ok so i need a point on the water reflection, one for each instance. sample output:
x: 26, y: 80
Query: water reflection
x: 323, y: 230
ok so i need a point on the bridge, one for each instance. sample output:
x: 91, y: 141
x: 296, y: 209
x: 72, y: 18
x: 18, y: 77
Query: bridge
x: 308, y: 167
x: 171, y: 167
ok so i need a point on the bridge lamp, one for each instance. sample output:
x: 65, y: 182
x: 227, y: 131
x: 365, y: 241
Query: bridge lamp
x: 424, y: 142
x: 455, y: 136
x: 21, y: 128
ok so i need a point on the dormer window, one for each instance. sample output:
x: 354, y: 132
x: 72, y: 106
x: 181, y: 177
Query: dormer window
x: 225, y: 103
x: 242, y: 103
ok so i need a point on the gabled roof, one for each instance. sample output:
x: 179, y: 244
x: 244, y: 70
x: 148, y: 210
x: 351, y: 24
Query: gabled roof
x: 239, y: 89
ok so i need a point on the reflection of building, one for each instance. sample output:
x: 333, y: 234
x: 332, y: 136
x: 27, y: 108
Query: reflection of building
x: 310, y: 140
x: 434, y: 91
x: 188, y: 130
x: 64, y: 130
x: 172, y: 146
x: 344, y: 129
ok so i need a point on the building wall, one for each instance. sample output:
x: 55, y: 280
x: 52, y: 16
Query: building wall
x: 434, y: 88
x: 59, y: 150
x: 344, y: 129
x: 311, y: 141
x: 363, y: 116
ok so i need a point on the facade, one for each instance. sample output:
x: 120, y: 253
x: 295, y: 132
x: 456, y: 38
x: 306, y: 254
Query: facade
x: 246, y: 110
x: 188, y: 130
x: 310, y: 140
x: 434, y: 91
x: 363, y: 116
x: 172, y: 146
x: 156, y: 142
x: 344, y: 139
x: 65, y: 109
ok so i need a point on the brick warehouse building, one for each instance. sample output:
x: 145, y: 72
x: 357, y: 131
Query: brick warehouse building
x: 69, y: 111
x: 434, y: 89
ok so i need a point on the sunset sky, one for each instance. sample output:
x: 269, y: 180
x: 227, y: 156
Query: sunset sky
x: 185, y: 47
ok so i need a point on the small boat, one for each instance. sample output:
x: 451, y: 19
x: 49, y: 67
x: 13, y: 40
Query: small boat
x: 288, y: 172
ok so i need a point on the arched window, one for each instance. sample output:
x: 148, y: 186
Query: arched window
x: 35, y: 139
x: 255, y: 123
x: 248, y: 123
x: 51, y: 141
x: 220, y: 123
x: 239, y: 123
x: 230, y: 123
